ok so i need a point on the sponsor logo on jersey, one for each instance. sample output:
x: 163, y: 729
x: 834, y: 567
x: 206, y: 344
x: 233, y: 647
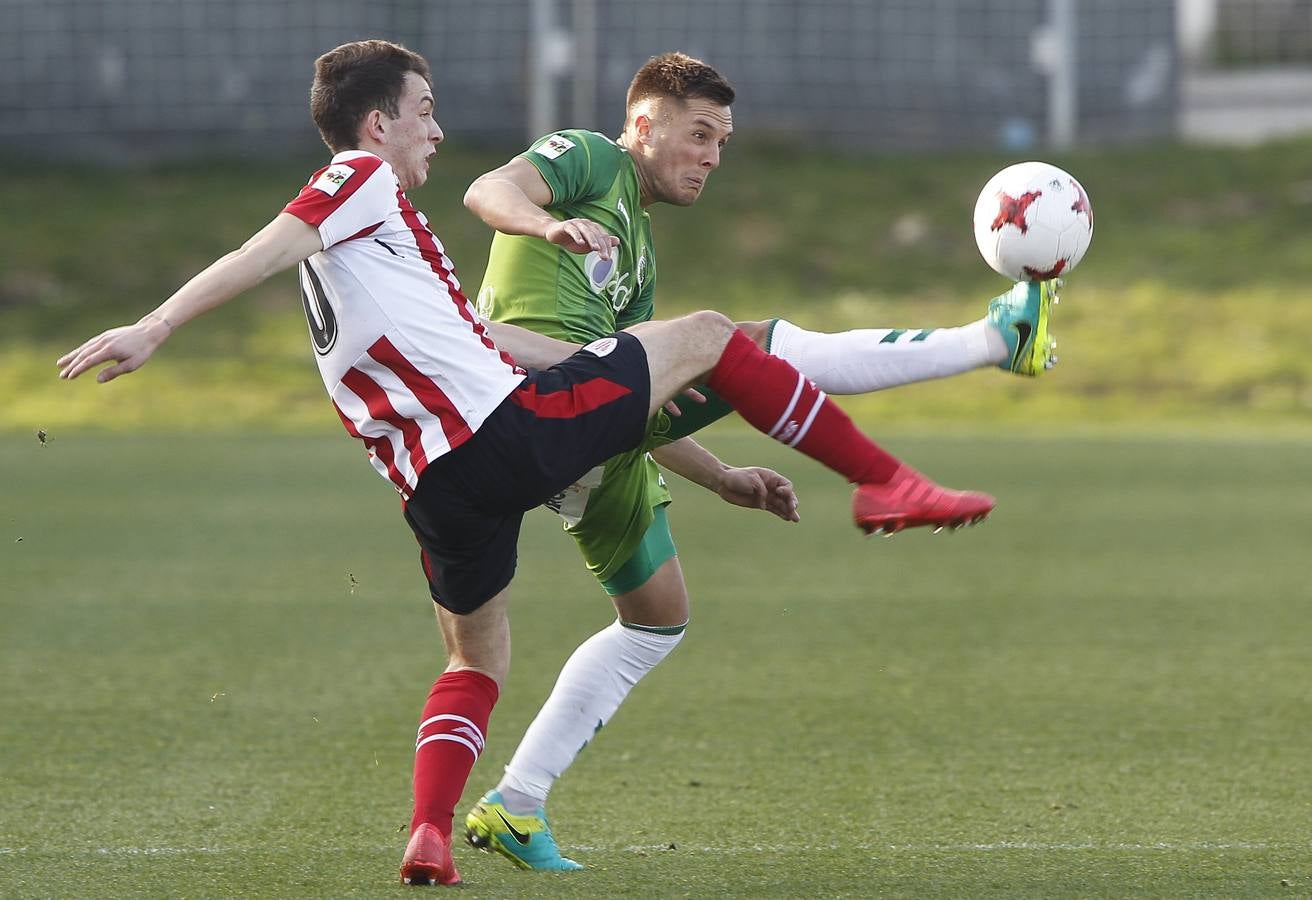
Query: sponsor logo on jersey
x: 600, y: 271
x: 602, y: 346
x: 333, y: 178
x: 606, y: 279
x: 624, y: 213
x: 554, y: 146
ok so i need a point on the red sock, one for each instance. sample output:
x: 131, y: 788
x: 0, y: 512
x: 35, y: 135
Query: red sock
x: 778, y: 400
x: 449, y: 742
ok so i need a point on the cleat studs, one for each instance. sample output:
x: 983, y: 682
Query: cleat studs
x: 937, y: 529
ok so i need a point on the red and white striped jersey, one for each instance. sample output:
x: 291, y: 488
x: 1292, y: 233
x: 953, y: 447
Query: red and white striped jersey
x: 407, y: 362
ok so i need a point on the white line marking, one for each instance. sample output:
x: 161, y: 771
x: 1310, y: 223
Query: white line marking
x: 1179, y: 847
x: 777, y: 849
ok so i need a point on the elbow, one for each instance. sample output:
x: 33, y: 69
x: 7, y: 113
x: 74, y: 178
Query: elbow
x: 474, y: 196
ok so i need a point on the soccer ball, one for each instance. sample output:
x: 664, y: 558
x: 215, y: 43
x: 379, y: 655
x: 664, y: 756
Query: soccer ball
x: 1033, y: 222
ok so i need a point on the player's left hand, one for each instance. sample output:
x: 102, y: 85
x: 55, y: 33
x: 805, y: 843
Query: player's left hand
x: 757, y: 488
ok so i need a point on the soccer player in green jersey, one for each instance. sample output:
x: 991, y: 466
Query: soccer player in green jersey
x: 573, y: 259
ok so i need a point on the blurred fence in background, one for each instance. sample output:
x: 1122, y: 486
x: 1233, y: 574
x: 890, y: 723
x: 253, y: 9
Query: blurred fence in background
x: 149, y: 79
x: 1246, y: 69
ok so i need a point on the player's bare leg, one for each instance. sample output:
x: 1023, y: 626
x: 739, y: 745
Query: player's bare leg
x: 452, y: 733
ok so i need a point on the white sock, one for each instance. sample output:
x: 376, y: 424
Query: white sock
x: 871, y: 359
x: 591, y: 686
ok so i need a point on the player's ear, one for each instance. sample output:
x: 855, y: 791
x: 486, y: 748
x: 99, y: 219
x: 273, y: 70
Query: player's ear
x: 373, y: 126
x: 642, y: 127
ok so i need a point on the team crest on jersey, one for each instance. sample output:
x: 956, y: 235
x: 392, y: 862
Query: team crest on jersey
x: 641, y: 274
x: 554, y: 146
x: 602, y: 346
x: 332, y: 178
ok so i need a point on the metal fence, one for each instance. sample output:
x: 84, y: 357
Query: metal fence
x: 1246, y: 69
x: 158, y: 78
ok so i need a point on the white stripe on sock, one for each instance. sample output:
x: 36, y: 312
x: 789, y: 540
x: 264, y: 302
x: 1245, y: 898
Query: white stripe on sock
x: 810, y: 417
x: 792, y: 404
x: 449, y: 737
x: 473, y: 729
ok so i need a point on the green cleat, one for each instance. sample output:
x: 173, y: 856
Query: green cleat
x: 524, y: 840
x: 1021, y: 315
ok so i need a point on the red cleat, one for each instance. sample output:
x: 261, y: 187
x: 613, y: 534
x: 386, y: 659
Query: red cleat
x: 428, y: 859
x: 910, y: 500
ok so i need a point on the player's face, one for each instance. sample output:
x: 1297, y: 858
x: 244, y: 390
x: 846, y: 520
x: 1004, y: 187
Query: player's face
x: 413, y: 136
x: 681, y: 148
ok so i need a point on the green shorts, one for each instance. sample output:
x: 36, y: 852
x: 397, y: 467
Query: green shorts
x: 611, y: 509
x: 653, y: 551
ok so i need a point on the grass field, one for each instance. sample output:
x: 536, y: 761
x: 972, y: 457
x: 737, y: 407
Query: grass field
x: 214, y: 652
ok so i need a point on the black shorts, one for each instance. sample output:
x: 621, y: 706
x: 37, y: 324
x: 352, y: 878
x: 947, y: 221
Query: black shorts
x: 558, y: 424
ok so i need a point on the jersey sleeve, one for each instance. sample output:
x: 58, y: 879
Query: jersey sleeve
x: 347, y: 199
x: 576, y: 165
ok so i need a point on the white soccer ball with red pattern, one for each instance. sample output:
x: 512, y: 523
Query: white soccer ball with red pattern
x: 1033, y: 222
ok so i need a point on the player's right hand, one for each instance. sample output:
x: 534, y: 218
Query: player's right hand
x: 128, y: 347
x: 692, y: 394
x: 581, y: 236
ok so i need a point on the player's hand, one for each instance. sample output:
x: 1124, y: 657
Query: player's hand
x: 692, y: 394
x: 128, y: 347
x: 581, y: 236
x: 757, y: 488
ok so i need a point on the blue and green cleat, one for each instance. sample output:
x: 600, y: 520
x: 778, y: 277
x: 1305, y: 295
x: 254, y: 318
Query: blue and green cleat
x: 1021, y: 315
x: 525, y: 840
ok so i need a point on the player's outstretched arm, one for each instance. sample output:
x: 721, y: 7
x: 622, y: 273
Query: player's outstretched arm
x: 282, y: 243
x: 536, y: 351
x: 751, y: 487
x: 513, y: 200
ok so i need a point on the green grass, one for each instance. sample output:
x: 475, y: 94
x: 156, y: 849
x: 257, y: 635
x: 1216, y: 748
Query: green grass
x: 1193, y: 305
x: 214, y: 653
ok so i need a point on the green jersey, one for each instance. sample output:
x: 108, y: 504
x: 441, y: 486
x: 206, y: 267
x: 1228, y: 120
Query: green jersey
x: 537, y: 285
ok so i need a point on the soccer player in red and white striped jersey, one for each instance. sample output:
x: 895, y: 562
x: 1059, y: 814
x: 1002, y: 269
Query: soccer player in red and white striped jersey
x: 390, y: 326
x: 471, y: 440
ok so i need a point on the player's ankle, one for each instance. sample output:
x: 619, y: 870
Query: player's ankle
x: 992, y: 343
x: 518, y: 802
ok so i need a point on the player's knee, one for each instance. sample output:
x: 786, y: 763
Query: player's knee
x: 757, y: 331
x: 708, y: 321
x: 707, y: 333
x: 648, y: 646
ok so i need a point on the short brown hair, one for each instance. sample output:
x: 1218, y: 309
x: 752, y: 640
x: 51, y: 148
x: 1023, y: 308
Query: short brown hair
x: 679, y: 76
x: 352, y: 80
